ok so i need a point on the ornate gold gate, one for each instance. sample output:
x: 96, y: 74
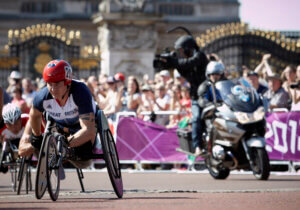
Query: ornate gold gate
x: 30, y: 48
x: 237, y: 45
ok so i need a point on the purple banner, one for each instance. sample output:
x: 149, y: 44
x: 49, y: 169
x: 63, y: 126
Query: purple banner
x: 140, y: 140
x: 283, y: 136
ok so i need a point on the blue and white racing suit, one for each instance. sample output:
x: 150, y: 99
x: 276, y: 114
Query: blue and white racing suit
x: 80, y: 101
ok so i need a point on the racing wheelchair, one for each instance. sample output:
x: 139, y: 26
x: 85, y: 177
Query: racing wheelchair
x: 53, y: 152
x: 19, y: 168
x: 8, y: 160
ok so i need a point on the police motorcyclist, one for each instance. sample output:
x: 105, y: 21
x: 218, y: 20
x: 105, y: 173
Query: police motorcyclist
x: 214, y: 73
x: 191, y: 63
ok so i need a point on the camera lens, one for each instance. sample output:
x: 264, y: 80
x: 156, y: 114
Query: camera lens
x: 295, y: 85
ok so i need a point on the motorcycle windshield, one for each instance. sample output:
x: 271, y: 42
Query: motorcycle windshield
x: 238, y: 94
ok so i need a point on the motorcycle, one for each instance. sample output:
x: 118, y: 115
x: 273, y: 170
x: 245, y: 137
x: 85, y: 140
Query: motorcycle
x: 234, y: 130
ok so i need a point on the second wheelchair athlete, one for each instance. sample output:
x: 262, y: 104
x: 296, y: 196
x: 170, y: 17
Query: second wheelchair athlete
x: 13, y: 129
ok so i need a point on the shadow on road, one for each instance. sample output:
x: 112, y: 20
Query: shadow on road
x: 156, y: 198
x: 24, y: 208
x: 269, y: 180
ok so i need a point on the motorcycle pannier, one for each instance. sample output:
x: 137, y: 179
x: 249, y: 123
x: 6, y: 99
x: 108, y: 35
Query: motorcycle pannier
x: 185, y: 139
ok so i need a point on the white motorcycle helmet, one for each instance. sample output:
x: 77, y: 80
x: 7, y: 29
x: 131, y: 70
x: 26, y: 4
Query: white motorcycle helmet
x: 214, y: 67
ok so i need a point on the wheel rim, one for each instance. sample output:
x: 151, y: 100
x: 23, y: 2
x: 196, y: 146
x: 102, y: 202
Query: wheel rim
x: 22, y: 171
x: 53, y: 180
x: 112, y: 153
x: 210, y: 167
x: 41, y: 179
x: 29, y: 177
x: 112, y: 163
x: 14, y: 177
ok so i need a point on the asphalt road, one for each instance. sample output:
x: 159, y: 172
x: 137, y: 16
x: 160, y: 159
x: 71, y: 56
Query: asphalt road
x: 163, y: 190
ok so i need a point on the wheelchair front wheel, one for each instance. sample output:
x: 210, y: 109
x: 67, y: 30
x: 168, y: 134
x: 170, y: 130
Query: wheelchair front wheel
x: 112, y: 162
x: 41, y: 177
x: 52, y: 171
x: 22, y: 171
x: 14, y: 176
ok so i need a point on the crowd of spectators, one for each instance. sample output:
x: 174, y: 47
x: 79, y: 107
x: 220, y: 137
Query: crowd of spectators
x: 168, y: 91
x: 119, y: 94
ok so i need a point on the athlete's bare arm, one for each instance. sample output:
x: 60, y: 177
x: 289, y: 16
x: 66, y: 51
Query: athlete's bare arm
x: 35, y: 117
x: 87, y: 131
x: 1, y: 102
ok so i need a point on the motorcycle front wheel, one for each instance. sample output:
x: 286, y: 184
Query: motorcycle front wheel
x: 215, y: 172
x: 261, y: 163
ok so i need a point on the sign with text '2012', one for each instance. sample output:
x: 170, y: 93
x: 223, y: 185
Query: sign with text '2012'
x: 283, y: 136
x: 139, y: 140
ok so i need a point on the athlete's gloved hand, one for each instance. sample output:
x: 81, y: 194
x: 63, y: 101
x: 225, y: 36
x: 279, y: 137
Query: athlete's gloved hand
x: 36, y: 141
x: 60, y: 129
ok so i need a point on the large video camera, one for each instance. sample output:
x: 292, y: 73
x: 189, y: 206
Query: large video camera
x: 186, y: 42
x: 160, y: 61
x: 295, y: 85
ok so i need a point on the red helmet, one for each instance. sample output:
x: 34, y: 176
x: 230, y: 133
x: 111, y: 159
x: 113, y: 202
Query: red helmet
x: 58, y: 70
x: 119, y: 77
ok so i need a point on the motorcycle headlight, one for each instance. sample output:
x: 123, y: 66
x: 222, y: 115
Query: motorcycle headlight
x: 259, y: 114
x: 243, y: 117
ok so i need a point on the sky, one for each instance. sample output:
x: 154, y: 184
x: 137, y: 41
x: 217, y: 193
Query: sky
x: 275, y: 15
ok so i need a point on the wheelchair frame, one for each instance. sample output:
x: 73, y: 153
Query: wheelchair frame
x: 12, y: 162
x: 24, y: 165
x: 51, y: 156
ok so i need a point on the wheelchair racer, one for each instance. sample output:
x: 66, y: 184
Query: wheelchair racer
x: 70, y: 104
x: 13, y: 129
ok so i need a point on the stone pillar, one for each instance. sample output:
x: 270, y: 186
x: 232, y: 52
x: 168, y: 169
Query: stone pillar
x: 128, y: 41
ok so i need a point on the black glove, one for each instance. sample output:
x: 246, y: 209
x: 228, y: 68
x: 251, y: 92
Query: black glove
x: 60, y: 129
x: 36, y: 141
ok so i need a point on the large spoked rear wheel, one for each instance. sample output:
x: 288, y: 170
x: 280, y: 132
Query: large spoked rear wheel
x: 112, y: 162
x: 41, y: 177
x: 261, y: 165
x: 52, y: 171
x: 214, y: 171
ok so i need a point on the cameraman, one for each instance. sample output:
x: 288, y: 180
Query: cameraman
x: 191, y: 64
